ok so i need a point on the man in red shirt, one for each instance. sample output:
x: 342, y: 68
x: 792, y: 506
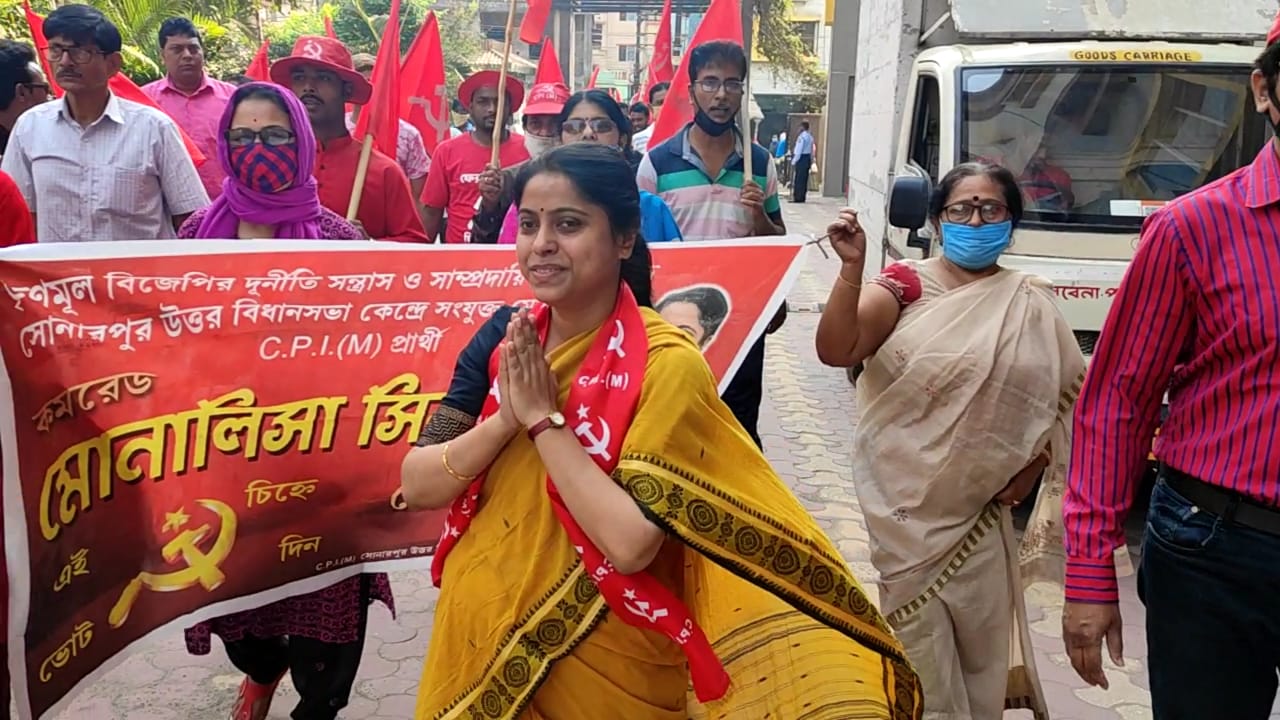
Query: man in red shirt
x: 321, y: 74
x: 454, y: 181
x: 1198, y: 316
x: 16, y: 227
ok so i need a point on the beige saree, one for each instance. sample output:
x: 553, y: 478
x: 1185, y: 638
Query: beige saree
x: 971, y: 386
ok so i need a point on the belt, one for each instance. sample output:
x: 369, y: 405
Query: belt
x: 1230, y: 506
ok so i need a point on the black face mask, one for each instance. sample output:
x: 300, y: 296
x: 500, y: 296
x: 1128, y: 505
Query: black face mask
x: 709, y: 125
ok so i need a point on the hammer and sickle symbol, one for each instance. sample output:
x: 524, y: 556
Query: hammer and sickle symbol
x: 438, y: 121
x: 615, y: 342
x: 201, y: 567
x: 312, y: 50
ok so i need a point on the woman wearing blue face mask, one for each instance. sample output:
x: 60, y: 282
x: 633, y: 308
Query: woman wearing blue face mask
x: 970, y: 376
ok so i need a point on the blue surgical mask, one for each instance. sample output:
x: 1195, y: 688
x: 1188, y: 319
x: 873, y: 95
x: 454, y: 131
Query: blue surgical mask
x: 975, y: 248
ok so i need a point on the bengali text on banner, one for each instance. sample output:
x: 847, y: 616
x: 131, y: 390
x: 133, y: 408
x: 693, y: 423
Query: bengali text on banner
x: 186, y: 435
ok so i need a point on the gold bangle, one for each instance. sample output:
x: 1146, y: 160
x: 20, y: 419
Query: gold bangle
x: 855, y: 286
x: 444, y: 460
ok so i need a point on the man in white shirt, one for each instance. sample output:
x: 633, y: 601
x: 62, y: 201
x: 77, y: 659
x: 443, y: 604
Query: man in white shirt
x: 657, y: 96
x: 94, y: 166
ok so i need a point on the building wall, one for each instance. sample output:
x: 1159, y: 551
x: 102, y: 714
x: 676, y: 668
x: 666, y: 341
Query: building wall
x: 765, y: 80
x: 887, y: 33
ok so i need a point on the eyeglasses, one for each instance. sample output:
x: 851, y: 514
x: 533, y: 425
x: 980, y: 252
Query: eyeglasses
x: 990, y: 212
x: 599, y: 126
x: 713, y: 85
x: 271, y: 136
x: 36, y: 86
x: 79, y: 55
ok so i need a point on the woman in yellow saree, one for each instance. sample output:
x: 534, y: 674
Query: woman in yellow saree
x: 971, y: 373
x: 595, y: 566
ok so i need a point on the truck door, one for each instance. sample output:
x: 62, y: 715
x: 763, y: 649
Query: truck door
x: 922, y: 156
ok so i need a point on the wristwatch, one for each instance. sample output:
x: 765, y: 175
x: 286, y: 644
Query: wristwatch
x: 554, y: 421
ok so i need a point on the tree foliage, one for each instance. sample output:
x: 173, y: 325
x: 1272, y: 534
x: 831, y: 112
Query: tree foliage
x: 778, y: 40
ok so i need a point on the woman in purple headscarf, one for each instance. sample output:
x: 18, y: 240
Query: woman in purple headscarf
x: 267, y: 150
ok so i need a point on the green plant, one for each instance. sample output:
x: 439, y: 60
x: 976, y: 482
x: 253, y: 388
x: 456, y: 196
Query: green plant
x: 778, y: 40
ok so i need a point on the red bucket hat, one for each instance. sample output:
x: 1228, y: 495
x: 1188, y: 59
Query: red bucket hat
x: 326, y: 53
x: 546, y: 99
x: 489, y: 78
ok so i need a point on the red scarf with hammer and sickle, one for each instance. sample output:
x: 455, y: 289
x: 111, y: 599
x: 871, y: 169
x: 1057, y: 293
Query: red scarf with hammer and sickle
x: 600, y: 407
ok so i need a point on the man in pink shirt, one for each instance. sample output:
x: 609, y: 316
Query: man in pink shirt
x: 194, y: 100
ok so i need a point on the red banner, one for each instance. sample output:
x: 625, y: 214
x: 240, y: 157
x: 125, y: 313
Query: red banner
x: 187, y: 435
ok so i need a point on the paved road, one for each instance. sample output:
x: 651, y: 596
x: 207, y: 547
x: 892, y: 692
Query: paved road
x: 806, y: 426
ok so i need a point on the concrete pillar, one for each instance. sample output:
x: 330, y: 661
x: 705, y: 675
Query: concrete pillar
x: 562, y: 36
x: 840, y: 91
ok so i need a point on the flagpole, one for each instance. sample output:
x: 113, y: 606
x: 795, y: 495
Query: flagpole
x: 745, y: 111
x: 362, y: 170
x: 500, y: 121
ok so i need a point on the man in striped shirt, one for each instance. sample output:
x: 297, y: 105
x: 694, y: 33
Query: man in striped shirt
x: 699, y: 174
x: 1198, y: 314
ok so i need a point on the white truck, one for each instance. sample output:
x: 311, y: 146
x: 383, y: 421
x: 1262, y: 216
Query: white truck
x: 1104, y: 109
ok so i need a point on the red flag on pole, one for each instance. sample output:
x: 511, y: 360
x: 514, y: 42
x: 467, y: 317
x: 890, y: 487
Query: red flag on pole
x: 535, y: 20
x: 328, y: 26
x: 260, y: 66
x: 660, y: 69
x: 422, y: 86
x: 35, y: 24
x: 381, y: 115
x: 595, y: 73
x: 723, y: 21
x: 548, y: 65
x: 120, y: 84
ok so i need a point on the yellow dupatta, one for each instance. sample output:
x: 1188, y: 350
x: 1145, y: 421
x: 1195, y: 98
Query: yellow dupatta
x: 522, y: 632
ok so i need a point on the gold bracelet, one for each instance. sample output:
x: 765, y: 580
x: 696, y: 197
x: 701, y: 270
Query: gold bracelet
x: 840, y: 277
x: 444, y: 460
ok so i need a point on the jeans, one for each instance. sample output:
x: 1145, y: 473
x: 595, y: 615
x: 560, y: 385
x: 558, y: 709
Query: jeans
x: 1212, y: 592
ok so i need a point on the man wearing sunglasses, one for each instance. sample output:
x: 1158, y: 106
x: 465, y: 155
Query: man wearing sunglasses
x: 22, y: 85
x: 94, y: 166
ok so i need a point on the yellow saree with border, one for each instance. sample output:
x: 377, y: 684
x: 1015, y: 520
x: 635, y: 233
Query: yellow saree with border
x: 521, y: 632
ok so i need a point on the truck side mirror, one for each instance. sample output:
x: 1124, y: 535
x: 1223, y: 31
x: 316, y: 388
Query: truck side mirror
x: 909, y: 201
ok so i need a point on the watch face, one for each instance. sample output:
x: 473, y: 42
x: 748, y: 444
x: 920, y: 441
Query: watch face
x: 557, y: 420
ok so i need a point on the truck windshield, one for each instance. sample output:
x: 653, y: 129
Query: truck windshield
x: 1103, y: 146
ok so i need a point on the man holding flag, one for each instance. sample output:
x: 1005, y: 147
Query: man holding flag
x: 700, y: 173
x: 95, y: 166
x: 454, y: 181
x: 320, y: 72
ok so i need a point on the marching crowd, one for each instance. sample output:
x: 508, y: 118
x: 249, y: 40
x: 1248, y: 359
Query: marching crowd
x: 606, y: 581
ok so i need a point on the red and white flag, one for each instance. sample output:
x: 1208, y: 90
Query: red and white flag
x: 723, y: 21
x: 423, y: 102
x: 381, y: 115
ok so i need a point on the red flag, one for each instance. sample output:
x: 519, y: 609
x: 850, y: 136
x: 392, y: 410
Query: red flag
x: 35, y: 24
x: 328, y: 26
x: 260, y: 67
x: 595, y: 73
x: 660, y: 69
x: 422, y: 86
x: 535, y: 20
x: 381, y: 115
x: 120, y: 84
x: 548, y: 65
x: 723, y: 21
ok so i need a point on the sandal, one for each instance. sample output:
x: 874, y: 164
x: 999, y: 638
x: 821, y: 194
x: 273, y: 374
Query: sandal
x: 253, y: 702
